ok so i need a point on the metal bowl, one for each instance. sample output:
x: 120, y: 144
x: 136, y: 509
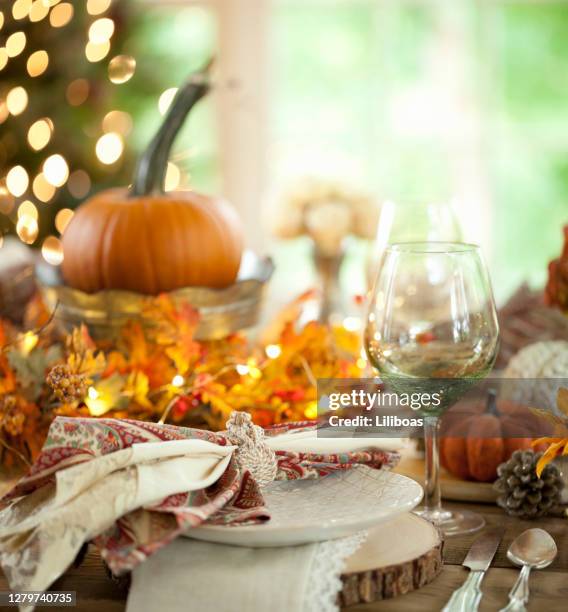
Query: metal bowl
x: 221, y: 311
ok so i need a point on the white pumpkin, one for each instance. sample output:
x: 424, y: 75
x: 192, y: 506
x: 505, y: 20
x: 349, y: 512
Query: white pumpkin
x: 543, y: 364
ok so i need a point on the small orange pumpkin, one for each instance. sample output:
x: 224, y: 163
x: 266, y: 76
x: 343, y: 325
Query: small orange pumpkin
x: 476, y: 438
x: 148, y: 241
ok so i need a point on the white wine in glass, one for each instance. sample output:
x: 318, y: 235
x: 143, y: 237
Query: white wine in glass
x: 432, y: 328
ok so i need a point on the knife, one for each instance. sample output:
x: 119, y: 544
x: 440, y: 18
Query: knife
x: 478, y: 559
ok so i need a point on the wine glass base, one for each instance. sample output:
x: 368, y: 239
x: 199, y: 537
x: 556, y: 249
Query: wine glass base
x: 453, y: 523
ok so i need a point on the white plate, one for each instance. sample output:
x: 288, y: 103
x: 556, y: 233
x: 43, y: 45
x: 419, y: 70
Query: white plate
x: 337, y: 505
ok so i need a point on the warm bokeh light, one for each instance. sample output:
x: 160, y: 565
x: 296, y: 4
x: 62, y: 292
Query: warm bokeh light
x: 6, y: 201
x: 4, y: 112
x: 37, y: 63
x: 38, y: 11
x: 1, y: 20
x: 17, y: 181
x: 62, y: 219
x: 95, y: 52
x: 39, y: 134
x: 101, y: 30
x: 77, y: 92
x: 96, y: 7
x: 43, y: 190
x: 15, y: 44
x: 52, y: 250
x: 79, y: 184
x: 27, y: 229
x: 166, y: 99
x: 17, y: 100
x: 117, y: 121
x: 55, y: 170
x: 121, y: 68
x: 21, y: 8
x: 3, y: 57
x: 109, y: 148
x: 61, y: 15
x: 173, y: 177
x: 50, y: 3
x: 28, y: 209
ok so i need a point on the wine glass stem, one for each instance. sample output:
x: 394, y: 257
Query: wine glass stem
x: 432, y: 496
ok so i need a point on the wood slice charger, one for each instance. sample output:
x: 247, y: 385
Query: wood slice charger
x: 398, y: 557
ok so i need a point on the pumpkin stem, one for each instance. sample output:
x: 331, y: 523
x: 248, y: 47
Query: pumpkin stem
x: 151, y: 168
x: 491, y: 405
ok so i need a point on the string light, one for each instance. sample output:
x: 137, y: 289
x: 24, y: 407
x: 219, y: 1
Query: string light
x: 15, y: 44
x: 96, y: 7
x: 311, y: 411
x: 17, y: 100
x: 79, y: 184
x: 39, y: 134
x: 28, y: 342
x: 37, y: 63
x: 43, y: 190
x: 117, y: 121
x: 61, y: 15
x: 109, y: 148
x: 77, y: 92
x: 27, y: 209
x: 101, y: 30
x: 3, y: 57
x: 96, y: 404
x: 173, y: 177
x: 27, y: 229
x: 242, y: 369
x: 38, y: 11
x: 21, y: 8
x: 52, y: 250
x: 121, y: 69
x: 62, y: 219
x: 178, y: 381
x: 17, y: 181
x: 352, y: 324
x: 95, y: 52
x: 166, y: 99
x: 273, y: 351
x: 55, y: 170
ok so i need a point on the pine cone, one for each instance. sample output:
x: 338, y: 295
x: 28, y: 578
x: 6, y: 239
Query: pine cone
x: 522, y: 492
x: 67, y: 386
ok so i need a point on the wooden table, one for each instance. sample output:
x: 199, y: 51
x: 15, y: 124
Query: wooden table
x: 549, y: 587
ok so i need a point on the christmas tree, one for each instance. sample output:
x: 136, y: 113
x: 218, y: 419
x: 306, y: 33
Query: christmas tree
x: 61, y: 66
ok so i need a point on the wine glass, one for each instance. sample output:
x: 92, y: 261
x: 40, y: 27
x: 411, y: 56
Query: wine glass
x: 412, y: 221
x: 432, y: 327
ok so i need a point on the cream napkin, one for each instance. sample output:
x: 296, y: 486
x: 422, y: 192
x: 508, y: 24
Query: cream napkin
x: 89, y: 497
x: 192, y: 576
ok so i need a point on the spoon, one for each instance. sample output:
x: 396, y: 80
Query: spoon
x: 534, y: 548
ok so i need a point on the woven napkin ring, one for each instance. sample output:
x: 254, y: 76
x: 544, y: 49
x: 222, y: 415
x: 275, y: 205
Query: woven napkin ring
x: 253, y: 453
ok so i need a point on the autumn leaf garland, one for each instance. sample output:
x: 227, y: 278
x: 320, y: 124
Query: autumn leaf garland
x: 158, y: 371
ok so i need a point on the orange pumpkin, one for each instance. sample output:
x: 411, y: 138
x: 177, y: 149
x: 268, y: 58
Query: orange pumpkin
x: 148, y: 241
x: 476, y: 437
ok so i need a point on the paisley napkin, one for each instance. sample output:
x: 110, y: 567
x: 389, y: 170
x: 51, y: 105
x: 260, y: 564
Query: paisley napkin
x: 132, y: 487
